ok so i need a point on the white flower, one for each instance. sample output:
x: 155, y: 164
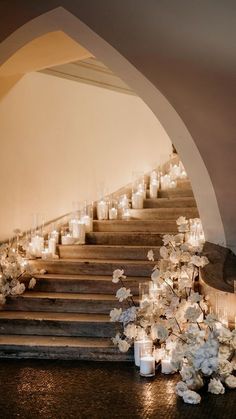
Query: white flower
x: 230, y: 381
x: 32, y: 283
x: 164, y: 252
x: 115, y: 314
x: 180, y: 388
x: 185, y: 257
x: 225, y: 368
x: 155, y: 275
x: 210, y: 320
x: 215, y: 386
x: 128, y: 315
x: 175, y: 256
x: 123, y: 293
x: 199, y: 261
x: 116, y: 339
x: 162, y: 332
x: 181, y: 220
x: 159, y: 353
x: 191, y: 397
x: 225, y: 351
x: 130, y: 331
x: 225, y: 335
x: 150, y: 255
x: 195, y: 383
x: 168, y: 238
x: 123, y: 345
x: 187, y: 372
x: 192, y: 313
x: 117, y: 275
x: 18, y: 289
x: 195, y: 297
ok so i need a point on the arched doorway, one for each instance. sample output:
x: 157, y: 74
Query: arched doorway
x: 60, y: 19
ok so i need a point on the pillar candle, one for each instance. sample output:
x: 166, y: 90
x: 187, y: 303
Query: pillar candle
x: 154, y: 184
x: 52, y: 245
x: 88, y: 222
x: 113, y: 214
x: 37, y: 245
x: 102, y: 210
x: 137, y: 200
x: 147, y: 365
x: 166, y: 366
x: 68, y: 239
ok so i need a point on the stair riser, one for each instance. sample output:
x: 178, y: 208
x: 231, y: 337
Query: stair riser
x: 170, y: 203
x: 61, y: 305
x: 134, y: 226
x: 56, y: 328
x: 85, y: 252
x: 167, y: 214
x: 62, y: 353
x: 93, y: 268
x: 141, y: 239
x: 175, y: 193
x: 85, y: 286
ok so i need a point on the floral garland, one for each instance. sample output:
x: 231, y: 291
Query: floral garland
x: 13, y: 267
x: 176, y: 318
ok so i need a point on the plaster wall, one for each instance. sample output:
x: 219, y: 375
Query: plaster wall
x: 60, y: 140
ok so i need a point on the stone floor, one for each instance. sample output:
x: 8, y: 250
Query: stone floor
x: 31, y: 389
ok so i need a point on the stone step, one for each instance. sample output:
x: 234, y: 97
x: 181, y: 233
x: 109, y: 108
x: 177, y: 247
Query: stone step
x: 124, y: 238
x: 158, y: 226
x: 163, y: 213
x: 182, y: 202
x: 64, y: 302
x: 83, y: 284
x: 94, y: 266
x: 56, y: 324
x: 106, y: 252
x: 56, y: 347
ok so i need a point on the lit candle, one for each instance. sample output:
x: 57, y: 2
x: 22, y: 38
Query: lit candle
x: 102, y: 210
x: 113, y: 214
x: 54, y: 234
x: 88, y: 222
x: 125, y: 214
x: 37, y: 245
x: 52, y: 245
x: 166, y: 366
x: 46, y: 254
x: 67, y: 240
x: 138, y: 348
x: 154, y: 185
x: 137, y: 200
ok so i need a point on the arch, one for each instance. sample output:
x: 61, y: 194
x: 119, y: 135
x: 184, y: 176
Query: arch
x: 61, y: 19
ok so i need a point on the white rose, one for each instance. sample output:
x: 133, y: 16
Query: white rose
x: 115, y: 314
x: 117, y: 275
x: 225, y: 335
x: 123, y: 293
x: 195, y: 383
x: 164, y: 252
x: 155, y: 275
x: 191, y: 397
x: 168, y: 238
x: 230, y: 381
x: 185, y: 257
x: 187, y: 373
x: 32, y: 283
x: 123, y: 345
x: 116, y: 339
x: 130, y: 331
x: 180, y: 388
x: 18, y: 289
x: 175, y: 256
x: 195, y: 297
x: 224, y: 368
x: 150, y: 255
x: 199, y: 261
x: 192, y: 313
x: 181, y: 220
x: 216, y: 387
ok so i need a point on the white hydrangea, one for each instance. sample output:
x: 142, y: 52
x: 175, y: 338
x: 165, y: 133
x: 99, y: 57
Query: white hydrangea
x: 123, y: 293
x: 216, y: 387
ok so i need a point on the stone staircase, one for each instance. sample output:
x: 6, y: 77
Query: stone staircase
x: 66, y: 316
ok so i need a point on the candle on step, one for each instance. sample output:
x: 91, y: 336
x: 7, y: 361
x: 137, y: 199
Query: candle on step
x: 67, y: 239
x: 46, y: 254
x: 112, y: 213
x: 54, y: 234
x: 102, y: 210
x: 88, y: 222
x: 52, y: 245
x: 154, y: 185
x: 37, y: 245
x: 138, y: 345
x: 137, y: 200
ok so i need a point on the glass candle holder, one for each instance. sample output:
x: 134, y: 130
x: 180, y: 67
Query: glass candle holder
x: 138, y: 346
x: 113, y: 210
x: 166, y: 365
x: 87, y: 217
x: 147, y: 361
x: 137, y: 200
x: 102, y: 210
x: 154, y: 186
x: 144, y: 296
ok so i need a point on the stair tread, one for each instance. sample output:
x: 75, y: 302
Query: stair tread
x: 29, y: 340
x: 67, y: 296
x: 42, y: 315
x: 108, y: 246
x: 97, y: 261
x: 73, y: 277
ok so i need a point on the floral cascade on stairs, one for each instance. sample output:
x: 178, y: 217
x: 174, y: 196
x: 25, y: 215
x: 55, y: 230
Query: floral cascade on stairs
x: 173, y: 326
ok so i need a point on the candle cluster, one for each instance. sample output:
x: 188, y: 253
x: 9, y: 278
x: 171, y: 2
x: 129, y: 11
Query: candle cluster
x: 113, y: 209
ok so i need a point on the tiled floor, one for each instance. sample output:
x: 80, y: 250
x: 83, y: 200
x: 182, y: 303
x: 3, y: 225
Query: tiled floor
x: 63, y: 390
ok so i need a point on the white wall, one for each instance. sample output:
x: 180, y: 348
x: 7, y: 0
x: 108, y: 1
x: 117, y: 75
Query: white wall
x: 61, y: 139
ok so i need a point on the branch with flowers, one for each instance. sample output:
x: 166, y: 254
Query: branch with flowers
x: 175, y: 317
x: 13, y: 268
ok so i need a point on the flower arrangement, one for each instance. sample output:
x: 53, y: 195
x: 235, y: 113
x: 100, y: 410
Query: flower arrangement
x: 13, y: 267
x: 175, y: 317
